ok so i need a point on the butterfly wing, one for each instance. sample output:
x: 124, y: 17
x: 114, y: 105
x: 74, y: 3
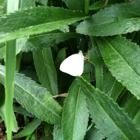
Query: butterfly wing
x: 73, y: 64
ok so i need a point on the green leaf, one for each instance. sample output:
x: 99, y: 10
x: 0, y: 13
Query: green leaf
x: 60, y: 57
x: 122, y: 59
x: 10, y: 66
x: 75, y: 4
x: 94, y: 134
x: 2, y: 52
x: 98, y: 5
x: 22, y: 111
x: 45, y: 68
x: 113, y: 123
x: 34, y: 98
x: 29, y: 129
x: 132, y: 107
x: 57, y: 133
x: 75, y: 114
x: 19, y: 45
x: 31, y: 137
x: 95, y: 57
x: 20, y: 42
x: 47, y: 40
x: 136, y: 120
x: 111, y: 86
x: 117, y: 19
x: 2, y: 110
x: 35, y: 21
x: 1, y: 7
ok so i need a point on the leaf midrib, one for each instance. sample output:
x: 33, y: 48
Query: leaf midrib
x: 76, y: 110
x: 112, y: 120
x: 32, y: 96
x: 38, y: 100
x: 131, y: 69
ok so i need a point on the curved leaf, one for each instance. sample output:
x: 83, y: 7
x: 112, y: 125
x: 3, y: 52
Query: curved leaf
x: 123, y: 60
x: 117, y: 19
x: 111, y: 86
x: 94, y: 134
x: 132, y: 107
x: 36, y: 20
x: 112, y: 122
x: 60, y: 57
x: 75, y: 114
x: 57, y: 133
x: 45, y: 68
x: 29, y: 129
x: 34, y: 98
x: 2, y: 52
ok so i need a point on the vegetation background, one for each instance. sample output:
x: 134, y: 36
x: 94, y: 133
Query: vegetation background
x: 103, y: 103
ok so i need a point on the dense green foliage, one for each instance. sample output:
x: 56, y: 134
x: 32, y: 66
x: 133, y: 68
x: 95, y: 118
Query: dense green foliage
x: 102, y: 103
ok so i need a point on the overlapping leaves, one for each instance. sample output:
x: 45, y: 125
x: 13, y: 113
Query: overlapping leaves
x: 117, y: 19
x: 34, y: 98
x: 35, y: 21
x: 123, y: 60
x: 107, y: 116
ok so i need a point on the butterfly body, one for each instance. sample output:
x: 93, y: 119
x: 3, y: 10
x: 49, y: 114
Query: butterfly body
x: 73, y: 65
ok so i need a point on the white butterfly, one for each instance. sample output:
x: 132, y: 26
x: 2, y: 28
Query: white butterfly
x: 73, y: 65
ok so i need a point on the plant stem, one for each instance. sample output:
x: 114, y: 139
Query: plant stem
x: 87, y: 6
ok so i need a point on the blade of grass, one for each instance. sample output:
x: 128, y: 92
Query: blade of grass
x: 9, y: 86
x: 9, y: 80
x: 29, y: 129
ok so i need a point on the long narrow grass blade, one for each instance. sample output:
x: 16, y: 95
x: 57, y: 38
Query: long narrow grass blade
x: 9, y: 85
x: 9, y: 76
x: 29, y: 129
